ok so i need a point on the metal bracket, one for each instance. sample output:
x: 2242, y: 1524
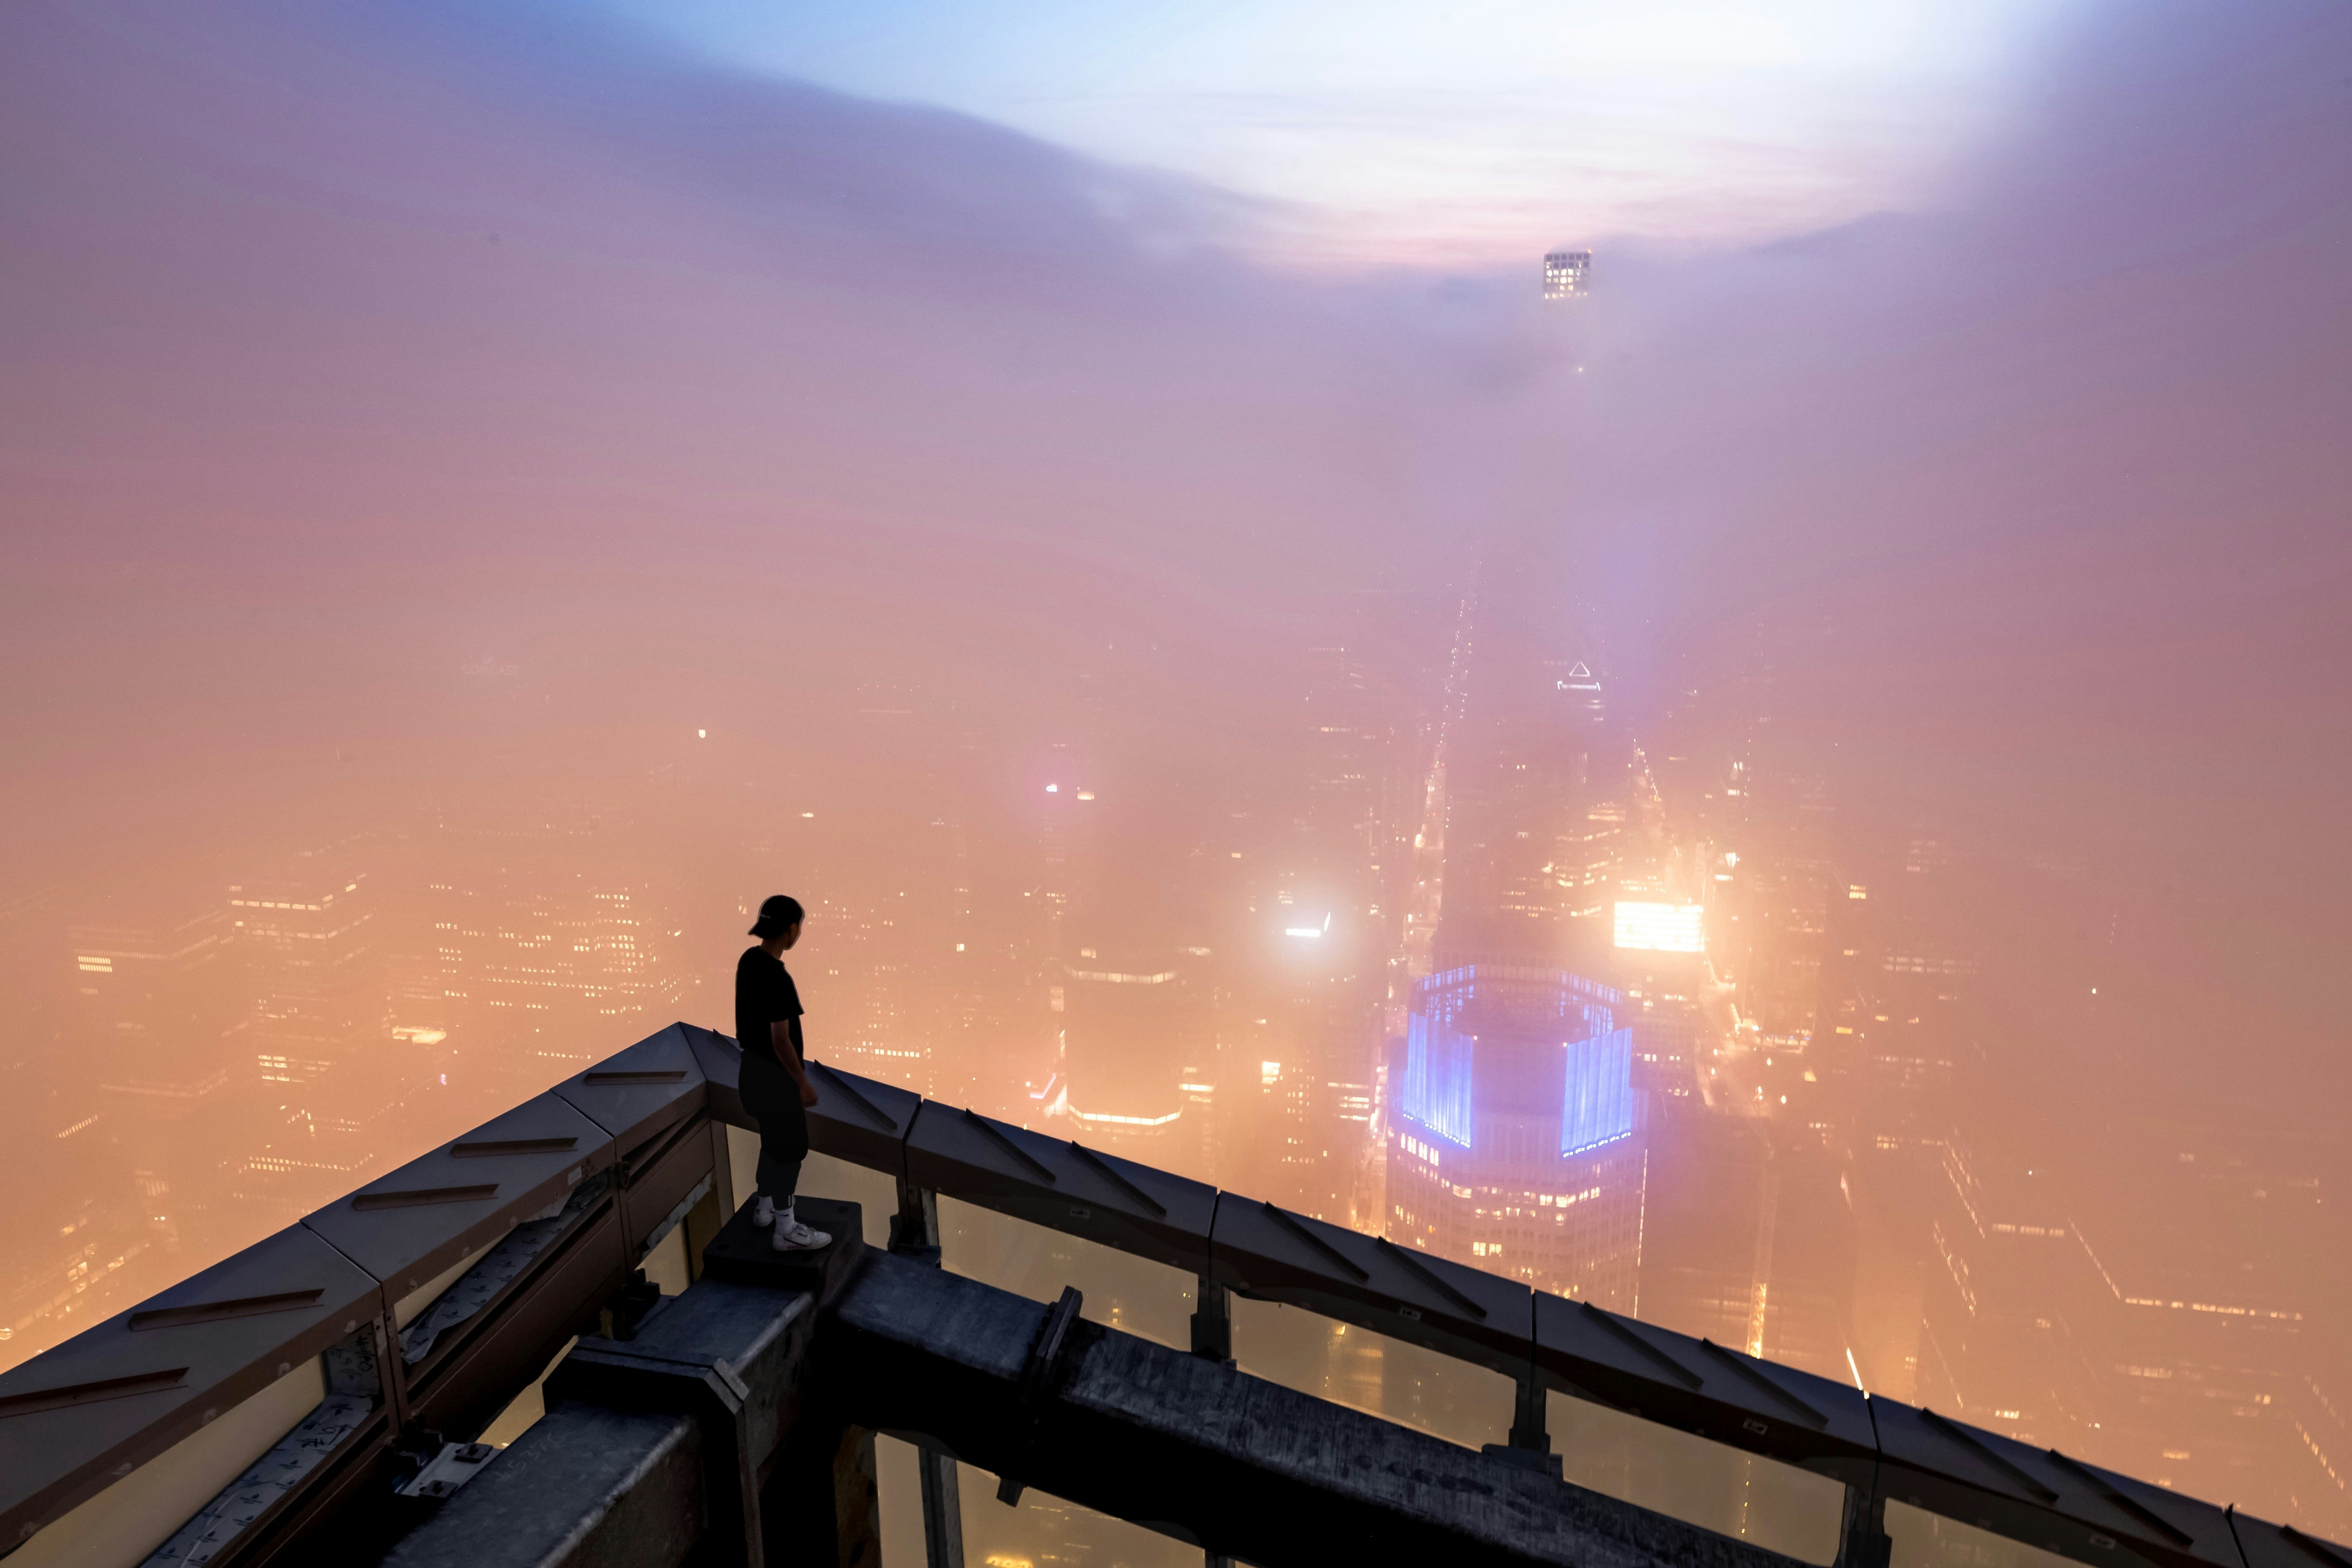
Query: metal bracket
x: 1037, y: 1375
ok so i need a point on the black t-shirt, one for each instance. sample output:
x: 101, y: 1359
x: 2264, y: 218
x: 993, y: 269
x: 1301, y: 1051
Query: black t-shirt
x: 764, y: 993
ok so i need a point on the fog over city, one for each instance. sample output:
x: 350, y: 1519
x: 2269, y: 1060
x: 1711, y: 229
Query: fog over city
x: 1857, y: 641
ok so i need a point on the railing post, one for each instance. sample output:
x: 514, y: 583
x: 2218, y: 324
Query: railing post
x: 914, y: 1234
x: 1862, y: 1541
x: 1212, y: 1324
x: 915, y: 1228
x: 942, y: 1508
x: 1530, y: 1445
x: 1528, y: 1419
x: 1212, y: 1340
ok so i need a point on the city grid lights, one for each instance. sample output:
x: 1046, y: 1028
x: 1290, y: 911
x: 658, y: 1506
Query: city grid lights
x: 1661, y: 928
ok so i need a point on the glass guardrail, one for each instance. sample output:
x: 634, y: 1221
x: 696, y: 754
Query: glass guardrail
x: 1133, y: 1295
x: 1716, y: 1487
x: 822, y: 1175
x: 212, y: 1482
x: 1041, y: 1529
x: 1045, y: 1531
x: 1408, y: 1385
x: 1925, y: 1540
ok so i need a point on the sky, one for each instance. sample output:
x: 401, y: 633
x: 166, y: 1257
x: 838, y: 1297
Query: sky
x: 1415, y: 135
x: 430, y: 339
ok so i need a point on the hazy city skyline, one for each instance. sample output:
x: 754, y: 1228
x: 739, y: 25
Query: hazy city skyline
x: 1752, y: 732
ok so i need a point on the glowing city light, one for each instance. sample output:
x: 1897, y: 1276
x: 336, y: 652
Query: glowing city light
x: 1661, y: 928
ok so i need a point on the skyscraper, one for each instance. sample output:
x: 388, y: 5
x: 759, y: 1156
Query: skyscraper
x: 1134, y: 1032
x: 159, y: 1020
x: 323, y: 1058
x: 1567, y: 274
x: 539, y: 962
x: 1515, y: 1135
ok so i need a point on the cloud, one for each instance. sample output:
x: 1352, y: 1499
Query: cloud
x: 1401, y: 135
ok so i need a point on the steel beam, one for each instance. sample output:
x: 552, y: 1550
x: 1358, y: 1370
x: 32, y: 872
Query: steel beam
x: 1193, y: 1449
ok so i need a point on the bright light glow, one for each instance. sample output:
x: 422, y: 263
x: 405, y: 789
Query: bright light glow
x: 1112, y: 977
x: 1303, y: 930
x: 702, y: 734
x: 1053, y: 789
x: 421, y: 1035
x: 1103, y: 1116
x: 1857, y: 891
x: 1661, y: 928
x: 1268, y: 1071
x: 1086, y: 794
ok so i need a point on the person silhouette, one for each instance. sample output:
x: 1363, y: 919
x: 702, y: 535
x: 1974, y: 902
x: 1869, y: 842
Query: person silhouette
x: 774, y: 1082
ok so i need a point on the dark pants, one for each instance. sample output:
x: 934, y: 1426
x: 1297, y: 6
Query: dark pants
x: 775, y: 1101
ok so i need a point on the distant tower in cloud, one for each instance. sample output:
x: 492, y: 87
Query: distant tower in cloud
x: 1567, y: 274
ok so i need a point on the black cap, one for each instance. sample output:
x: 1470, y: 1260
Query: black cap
x: 777, y: 916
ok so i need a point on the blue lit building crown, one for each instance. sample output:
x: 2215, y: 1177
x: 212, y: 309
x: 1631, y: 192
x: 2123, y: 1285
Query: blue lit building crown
x: 1492, y: 1039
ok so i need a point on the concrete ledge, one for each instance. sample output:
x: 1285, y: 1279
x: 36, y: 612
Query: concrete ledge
x: 585, y: 1487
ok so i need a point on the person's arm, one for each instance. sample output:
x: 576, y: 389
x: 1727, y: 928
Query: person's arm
x: 780, y: 1033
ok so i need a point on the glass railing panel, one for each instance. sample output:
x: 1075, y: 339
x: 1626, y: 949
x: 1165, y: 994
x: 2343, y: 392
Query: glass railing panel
x: 1924, y: 1540
x: 1762, y: 1501
x: 143, y: 1512
x: 1045, y: 1531
x: 743, y: 1163
x: 524, y: 1411
x: 1131, y: 1294
x: 822, y: 1176
x: 898, y: 1501
x: 1040, y: 1532
x: 1396, y: 1381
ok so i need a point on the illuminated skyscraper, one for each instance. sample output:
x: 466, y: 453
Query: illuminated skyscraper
x: 322, y: 1054
x: 1567, y: 274
x: 1133, y: 1032
x: 317, y: 976
x: 1514, y: 1134
x: 159, y: 1020
x: 538, y: 961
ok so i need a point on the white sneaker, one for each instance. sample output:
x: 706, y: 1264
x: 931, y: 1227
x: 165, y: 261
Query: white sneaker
x: 791, y: 1236
x: 763, y: 1212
